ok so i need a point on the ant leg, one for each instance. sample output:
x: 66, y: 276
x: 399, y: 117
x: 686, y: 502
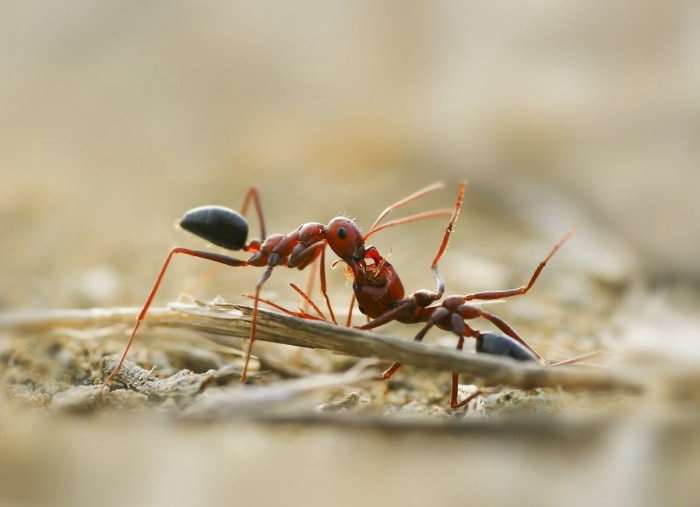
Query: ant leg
x: 422, y: 298
x: 322, y: 271
x: 405, y: 305
x: 461, y: 329
x: 498, y: 294
x: 301, y: 313
x: 469, y: 398
x: 472, y: 312
x: 254, y: 195
x: 419, y: 337
x: 425, y: 298
x: 308, y: 302
x: 311, y: 279
x: 305, y: 295
x: 455, y: 378
x: 272, y: 262
x: 222, y: 259
x: 576, y: 359
x: 306, y: 257
x: 439, y: 314
x: 448, y: 229
x: 389, y: 372
x: 348, y: 321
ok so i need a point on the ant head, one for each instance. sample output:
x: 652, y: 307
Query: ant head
x: 345, y: 239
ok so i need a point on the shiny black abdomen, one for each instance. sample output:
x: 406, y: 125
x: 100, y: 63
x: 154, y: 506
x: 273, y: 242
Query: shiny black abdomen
x: 501, y: 345
x: 218, y: 225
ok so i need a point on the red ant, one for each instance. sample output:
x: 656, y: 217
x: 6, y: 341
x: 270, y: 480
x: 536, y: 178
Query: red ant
x: 228, y: 229
x: 380, y: 295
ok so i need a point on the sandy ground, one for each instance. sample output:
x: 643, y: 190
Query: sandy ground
x: 117, y: 119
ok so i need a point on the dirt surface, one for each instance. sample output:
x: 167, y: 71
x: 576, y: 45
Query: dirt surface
x: 117, y: 120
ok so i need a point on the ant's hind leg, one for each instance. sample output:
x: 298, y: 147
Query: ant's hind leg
x: 221, y: 259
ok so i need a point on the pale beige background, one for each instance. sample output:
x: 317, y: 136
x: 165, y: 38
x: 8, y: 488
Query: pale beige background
x: 117, y: 117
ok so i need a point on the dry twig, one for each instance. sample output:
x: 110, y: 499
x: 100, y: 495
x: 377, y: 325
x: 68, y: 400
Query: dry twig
x: 224, y: 320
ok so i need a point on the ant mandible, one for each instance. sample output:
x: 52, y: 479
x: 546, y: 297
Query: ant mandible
x: 298, y: 249
x: 380, y: 295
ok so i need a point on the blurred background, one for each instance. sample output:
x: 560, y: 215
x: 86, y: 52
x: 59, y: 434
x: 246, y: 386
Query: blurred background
x: 116, y: 117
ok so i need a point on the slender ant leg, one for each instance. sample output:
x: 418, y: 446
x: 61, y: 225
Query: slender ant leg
x: 221, y: 259
x: 298, y: 249
x: 519, y: 291
x: 379, y: 294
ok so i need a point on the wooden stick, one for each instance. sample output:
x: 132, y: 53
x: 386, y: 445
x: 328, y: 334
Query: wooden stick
x: 228, y: 320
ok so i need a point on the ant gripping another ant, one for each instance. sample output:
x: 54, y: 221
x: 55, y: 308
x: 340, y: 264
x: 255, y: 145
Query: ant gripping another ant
x: 380, y: 295
x: 298, y: 249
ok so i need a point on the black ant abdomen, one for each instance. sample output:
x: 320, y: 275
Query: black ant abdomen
x: 218, y: 225
x: 502, y: 345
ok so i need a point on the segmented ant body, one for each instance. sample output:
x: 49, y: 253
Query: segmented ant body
x: 380, y: 295
x: 298, y: 249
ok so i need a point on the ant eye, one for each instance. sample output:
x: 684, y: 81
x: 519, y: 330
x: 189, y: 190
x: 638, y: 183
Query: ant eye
x: 342, y: 232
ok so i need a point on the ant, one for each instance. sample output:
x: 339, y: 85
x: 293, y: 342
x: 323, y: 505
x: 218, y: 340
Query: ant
x: 380, y: 295
x: 298, y: 249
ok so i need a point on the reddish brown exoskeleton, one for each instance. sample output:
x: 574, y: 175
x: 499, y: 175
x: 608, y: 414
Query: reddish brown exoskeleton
x: 298, y: 249
x: 381, y: 296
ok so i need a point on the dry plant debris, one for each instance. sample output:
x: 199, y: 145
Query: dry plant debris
x: 70, y: 335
